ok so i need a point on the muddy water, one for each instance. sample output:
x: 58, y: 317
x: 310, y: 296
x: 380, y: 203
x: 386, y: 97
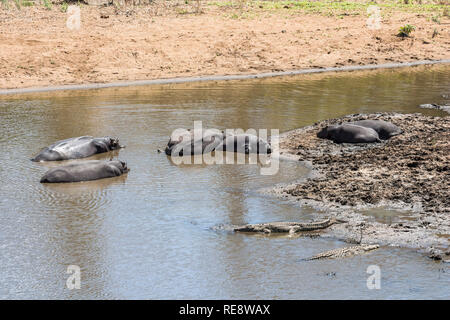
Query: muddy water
x: 148, y: 234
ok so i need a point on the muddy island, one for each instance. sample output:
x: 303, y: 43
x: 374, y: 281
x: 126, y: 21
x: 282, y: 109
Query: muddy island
x: 410, y: 171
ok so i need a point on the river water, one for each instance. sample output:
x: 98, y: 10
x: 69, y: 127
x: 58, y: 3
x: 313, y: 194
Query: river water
x: 149, y: 234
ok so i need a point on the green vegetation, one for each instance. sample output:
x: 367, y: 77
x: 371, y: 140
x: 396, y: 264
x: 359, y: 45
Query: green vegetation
x: 332, y: 8
x: 18, y: 3
x: 64, y: 7
x: 406, y: 30
x: 47, y: 4
x: 436, y: 19
x: 251, y: 8
x: 181, y: 11
x: 26, y: 3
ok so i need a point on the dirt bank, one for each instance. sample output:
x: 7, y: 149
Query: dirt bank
x: 176, y: 39
x: 409, y: 171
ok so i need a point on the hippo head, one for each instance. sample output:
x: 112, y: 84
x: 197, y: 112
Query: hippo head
x: 179, y: 135
x: 114, y: 144
x: 264, y: 146
x: 121, y: 165
x: 323, y: 133
x: 124, y: 166
x: 174, y: 140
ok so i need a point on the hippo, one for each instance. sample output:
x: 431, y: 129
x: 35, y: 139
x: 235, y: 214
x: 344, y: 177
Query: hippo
x: 76, y: 148
x: 349, y: 133
x: 186, y: 142
x: 85, y: 171
x: 384, y: 129
x: 244, y: 143
x: 178, y: 137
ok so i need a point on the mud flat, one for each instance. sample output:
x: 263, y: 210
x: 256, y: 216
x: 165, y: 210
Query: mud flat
x: 410, y: 172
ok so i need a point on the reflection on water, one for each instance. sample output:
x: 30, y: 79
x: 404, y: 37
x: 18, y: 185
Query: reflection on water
x: 148, y: 234
x: 388, y: 215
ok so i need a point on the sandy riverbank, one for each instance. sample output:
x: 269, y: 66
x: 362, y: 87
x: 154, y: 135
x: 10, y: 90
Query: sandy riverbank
x: 174, y: 39
x: 410, y: 172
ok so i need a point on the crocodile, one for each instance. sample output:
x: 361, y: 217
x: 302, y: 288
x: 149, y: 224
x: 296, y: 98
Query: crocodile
x: 345, y: 252
x: 289, y: 227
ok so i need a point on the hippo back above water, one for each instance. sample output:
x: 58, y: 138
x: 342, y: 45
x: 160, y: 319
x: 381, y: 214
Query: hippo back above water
x: 76, y: 148
x: 85, y: 171
x: 244, y: 143
x: 349, y: 133
x: 384, y: 129
x: 193, y: 142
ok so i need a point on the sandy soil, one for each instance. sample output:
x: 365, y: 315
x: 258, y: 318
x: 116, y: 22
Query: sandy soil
x: 161, y: 41
x: 409, y: 171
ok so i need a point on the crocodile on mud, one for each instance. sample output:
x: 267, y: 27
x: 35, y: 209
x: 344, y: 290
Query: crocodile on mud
x: 345, y: 252
x: 289, y: 227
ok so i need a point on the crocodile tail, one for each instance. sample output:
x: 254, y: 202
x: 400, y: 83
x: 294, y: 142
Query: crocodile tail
x: 335, y: 220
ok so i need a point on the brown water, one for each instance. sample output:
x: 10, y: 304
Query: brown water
x: 149, y: 234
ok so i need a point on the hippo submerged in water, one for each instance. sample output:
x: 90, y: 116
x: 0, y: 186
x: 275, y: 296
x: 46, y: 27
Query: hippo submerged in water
x: 76, y: 148
x: 244, y: 143
x: 187, y: 142
x: 85, y: 171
